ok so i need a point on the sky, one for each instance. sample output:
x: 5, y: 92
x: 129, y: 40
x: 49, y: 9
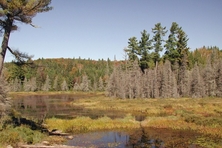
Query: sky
x: 100, y: 29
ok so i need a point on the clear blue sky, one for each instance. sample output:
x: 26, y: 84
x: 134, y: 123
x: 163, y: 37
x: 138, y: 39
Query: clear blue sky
x: 99, y: 29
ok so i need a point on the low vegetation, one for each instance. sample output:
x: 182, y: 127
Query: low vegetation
x: 201, y: 116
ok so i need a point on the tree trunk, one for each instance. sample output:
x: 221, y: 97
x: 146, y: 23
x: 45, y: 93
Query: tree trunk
x: 5, y: 40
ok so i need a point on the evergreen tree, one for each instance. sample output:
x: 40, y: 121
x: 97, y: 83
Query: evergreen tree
x: 144, y: 48
x: 12, y: 11
x: 172, y: 54
x: 182, y: 48
x: 159, y: 33
x: 132, y: 49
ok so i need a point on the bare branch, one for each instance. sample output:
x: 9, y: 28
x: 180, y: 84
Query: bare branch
x: 34, y: 26
x: 21, y: 58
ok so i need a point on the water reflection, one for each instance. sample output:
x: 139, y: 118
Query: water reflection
x: 59, y: 106
x: 140, y: 138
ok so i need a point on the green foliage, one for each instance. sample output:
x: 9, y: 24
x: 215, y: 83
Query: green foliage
x: 133, y: 49
x: 171, y: 52
x: 51, y: 74
x: 23, y: 134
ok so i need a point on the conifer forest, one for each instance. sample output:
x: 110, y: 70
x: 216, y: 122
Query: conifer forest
x: 152, y: 68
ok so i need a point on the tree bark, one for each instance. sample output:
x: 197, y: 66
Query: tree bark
x: 5, y: 40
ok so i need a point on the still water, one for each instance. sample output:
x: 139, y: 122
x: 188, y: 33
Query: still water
x: 59, y: 106
x: 139, y: 138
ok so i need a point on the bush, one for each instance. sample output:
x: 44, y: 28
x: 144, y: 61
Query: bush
x: 21, y: 134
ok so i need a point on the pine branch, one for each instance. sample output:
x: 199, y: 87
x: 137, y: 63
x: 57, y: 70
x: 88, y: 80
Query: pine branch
x: 21, y: 58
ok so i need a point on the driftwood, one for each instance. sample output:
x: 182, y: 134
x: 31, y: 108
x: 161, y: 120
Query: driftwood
x: 44, y: 146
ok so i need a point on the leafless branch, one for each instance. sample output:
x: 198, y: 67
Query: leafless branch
x: 22, y: 58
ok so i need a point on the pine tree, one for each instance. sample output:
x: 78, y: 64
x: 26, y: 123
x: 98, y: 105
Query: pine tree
x: 172, y: 54
x: 13, y: 11
x: 182, y: 48
x: 159, y: 33
x: 132, y: 49
x: 144, y: 48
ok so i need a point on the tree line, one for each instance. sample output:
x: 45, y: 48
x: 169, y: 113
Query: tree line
x: 123, y: 79
x: 163, y: 82
x: 178, y: 72
x: 145, y: 73
x: 58, y: 75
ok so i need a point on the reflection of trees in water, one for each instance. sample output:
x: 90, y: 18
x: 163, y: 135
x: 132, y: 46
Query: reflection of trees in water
x: 142, y: 139
x: 40, y: 106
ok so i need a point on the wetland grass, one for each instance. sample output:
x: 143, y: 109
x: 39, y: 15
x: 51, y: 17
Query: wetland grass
x: 201, y: 115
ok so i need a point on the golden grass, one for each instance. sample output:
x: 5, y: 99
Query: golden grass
x: 202, y: 115
x: 86, y: 124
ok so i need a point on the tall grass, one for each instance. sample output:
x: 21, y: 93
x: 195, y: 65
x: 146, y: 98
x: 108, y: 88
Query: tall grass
x: 86, y: 124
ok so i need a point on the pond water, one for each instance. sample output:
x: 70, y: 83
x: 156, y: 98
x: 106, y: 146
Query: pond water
x: 140, y: 138
x: 59, y: 106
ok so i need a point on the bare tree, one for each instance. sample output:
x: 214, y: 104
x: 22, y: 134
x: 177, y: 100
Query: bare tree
x: 168, y: 83
x: 64, y: 86
x: 5, y: 103
x: 100, y: 85
x: 197, y: 83
x: 85, y: 85
x: 47, y: 85
x: 209, y: 79
x: 219, y: 79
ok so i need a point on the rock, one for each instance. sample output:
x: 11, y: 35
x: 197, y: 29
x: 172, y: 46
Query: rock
x: 9, y: 146
x: 70, y: 137
x: 45, y: 143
